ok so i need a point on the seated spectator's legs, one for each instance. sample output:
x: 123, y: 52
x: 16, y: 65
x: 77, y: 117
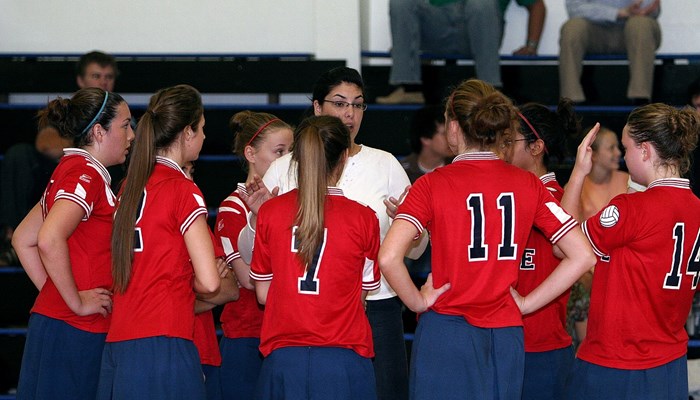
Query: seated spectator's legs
x: 484, y: 23
x: 405, y: 35
x: 443, y: 29
x: 578, y: 37
x: 573, y: 42
x: 642, y: 38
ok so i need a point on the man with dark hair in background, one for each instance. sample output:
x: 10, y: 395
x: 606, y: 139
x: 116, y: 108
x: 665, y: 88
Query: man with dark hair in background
x: 96, y: 69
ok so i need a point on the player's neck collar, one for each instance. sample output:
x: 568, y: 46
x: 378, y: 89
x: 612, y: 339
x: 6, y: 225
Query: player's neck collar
x: 476, y: 155
x: 169, y: 163
x: 681, y: 183
x: 334, y: 191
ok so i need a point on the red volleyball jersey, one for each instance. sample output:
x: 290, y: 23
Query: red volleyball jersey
x: 159, y: 300
x: 479, y: 211
x: 241, y: 318
x: 204, y: 330
x: 80, y: 178
x: 320, y: 306
x: 641, y: 298
x: 205, y: 339
x: 545, y: 329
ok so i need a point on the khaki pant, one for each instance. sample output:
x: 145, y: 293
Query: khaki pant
x: 638, y: 37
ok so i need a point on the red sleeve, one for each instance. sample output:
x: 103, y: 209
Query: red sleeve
x: 607, y: 229
x: 260, y: 266
x: 82, y: 185
x: 230, y: 220
x: 190, y: 206
x: 416, y: 207
x: 550, y: 218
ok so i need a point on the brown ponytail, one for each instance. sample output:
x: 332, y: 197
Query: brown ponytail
x: 169, y: 112
x: 318, y: 151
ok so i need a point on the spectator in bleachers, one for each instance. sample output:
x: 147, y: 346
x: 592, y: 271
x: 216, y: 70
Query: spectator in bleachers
x: 465, y: 27
x: 609, y: 27
x: 96, y: 69
x: 428, y: 143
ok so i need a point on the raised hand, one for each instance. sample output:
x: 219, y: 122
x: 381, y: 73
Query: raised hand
x: 257, y: 194
x: 584, y: 154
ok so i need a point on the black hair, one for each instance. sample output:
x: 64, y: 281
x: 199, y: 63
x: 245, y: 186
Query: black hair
x: 553, y: 127
x: 425, y: 124
x: 96, y: 57
x: 334, y: 77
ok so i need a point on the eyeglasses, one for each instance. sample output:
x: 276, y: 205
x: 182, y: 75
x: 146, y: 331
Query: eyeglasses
x: 341, y: 105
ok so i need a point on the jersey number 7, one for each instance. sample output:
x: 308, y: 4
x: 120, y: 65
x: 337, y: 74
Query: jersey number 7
x: 309, y: 283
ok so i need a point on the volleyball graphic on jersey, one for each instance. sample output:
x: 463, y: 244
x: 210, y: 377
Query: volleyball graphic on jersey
x: 609, y: 216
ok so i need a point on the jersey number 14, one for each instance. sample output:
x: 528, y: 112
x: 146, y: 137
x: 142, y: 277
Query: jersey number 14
x: 673, y: 278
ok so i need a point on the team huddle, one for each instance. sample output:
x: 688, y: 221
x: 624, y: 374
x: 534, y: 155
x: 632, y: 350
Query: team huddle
x: 308, y: 255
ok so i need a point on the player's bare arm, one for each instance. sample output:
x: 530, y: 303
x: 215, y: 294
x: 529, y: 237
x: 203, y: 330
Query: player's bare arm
x: 25, y: 243
x: 391, y: 263
x: 578, y: 259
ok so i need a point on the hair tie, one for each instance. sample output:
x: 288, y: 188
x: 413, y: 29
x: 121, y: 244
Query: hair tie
x: 90, y: 125
x: 262, y: 128
x: 532, y: 128
x: 153, y: 113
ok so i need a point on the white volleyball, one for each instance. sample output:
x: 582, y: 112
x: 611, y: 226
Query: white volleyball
x: 609, y: 216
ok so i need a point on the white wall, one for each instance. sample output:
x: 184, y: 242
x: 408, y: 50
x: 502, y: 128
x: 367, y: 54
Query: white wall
x: 328, y: 28
x: 680, y: 24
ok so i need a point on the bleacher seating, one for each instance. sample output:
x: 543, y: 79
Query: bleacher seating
x: 210, y: 73
x: 536, y: 78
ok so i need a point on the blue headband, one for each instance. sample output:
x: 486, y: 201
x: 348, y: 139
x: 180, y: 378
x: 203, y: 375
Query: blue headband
x: 87, y: 128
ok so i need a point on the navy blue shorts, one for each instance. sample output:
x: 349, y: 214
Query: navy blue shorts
x: 390, y: 360
x: 592, y: 382
x: 240, y: 367
x: 151, y: 368
x: 452, y: 359
x: 59, y: 361
x: 212, y: 381
x: 316, y: 373
x: 546, y: 374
